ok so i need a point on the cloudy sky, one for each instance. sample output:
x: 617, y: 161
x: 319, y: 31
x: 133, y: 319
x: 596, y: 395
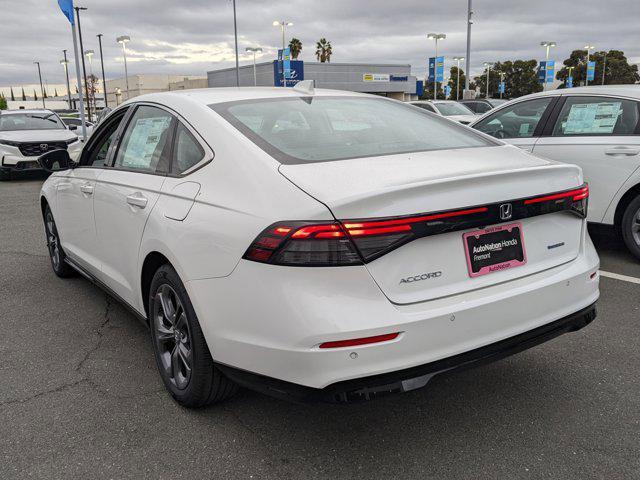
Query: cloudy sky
x: 192, y: 36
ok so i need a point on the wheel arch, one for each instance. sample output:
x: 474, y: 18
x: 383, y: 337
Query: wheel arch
x: 624, y: 202
x: 152, y: 262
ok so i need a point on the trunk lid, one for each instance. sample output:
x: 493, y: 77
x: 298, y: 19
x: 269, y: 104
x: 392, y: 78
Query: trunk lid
x: 426, y: 182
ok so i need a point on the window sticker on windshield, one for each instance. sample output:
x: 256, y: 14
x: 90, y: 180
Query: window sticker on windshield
x: 592, y: 118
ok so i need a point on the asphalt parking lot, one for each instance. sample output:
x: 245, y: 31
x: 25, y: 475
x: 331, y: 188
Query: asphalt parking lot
x: 80, y: 396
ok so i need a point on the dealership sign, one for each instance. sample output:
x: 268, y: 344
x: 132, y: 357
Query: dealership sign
x: 376, y: 77
x: 436, y: 69
x: 293, y: 71
x: 591, y: 71
x: 547, y: 71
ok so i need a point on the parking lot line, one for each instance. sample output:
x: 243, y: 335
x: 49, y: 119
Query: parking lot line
x: 617, y: 276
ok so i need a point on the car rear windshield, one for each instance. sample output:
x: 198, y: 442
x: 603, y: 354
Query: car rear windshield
x: 452, y: 108
x: 318, y: 129
x: 30, y: 121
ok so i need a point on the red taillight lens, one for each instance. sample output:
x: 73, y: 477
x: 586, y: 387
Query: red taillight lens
x: 576, y: 200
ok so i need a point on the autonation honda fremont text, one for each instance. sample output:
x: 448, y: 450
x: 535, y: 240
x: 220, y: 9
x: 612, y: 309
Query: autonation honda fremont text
x: 319, y: 245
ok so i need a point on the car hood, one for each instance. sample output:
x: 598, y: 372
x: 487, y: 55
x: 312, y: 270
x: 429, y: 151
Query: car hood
x: 38, y: 135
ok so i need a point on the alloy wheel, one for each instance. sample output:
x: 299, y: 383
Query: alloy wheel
x: 635, y: 227
x: 172, y: 336
x: 52, y: 241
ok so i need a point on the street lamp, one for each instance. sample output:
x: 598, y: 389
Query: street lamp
x: 104, y: 82
x: 123, y: 39
x: 436, y: 37
x: 254, y: 50
x: 468, y: 65
x: 487, y: 65
x: 588, y: 47
x: 548, y: 46
x: 84, y: 69
x: 458, y: 60
x: 41, y: 88
x: 604, y: 66
x: 235, y: 36
x: 65, y: 63
x: 282, y: 24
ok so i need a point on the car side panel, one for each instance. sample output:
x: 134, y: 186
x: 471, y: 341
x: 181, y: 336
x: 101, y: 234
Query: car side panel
x: 632, y: 181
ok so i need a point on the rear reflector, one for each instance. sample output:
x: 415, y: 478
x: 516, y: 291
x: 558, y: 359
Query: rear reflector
x: 360, y: 341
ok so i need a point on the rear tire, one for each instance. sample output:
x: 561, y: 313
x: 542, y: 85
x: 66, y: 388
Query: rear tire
x: 630, y: 227
x: 180, y: 349
x: 56, y: 252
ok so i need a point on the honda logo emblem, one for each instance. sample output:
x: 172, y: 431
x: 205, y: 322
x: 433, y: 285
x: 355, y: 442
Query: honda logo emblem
x: 506, y: 211
x: 44, y: 146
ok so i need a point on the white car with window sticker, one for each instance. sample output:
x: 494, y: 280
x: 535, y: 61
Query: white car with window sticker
x: 597, y: 128
x: 318, y: 244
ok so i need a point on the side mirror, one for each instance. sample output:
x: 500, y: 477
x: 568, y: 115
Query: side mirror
x: 56, y: 161
x: 73, y: 127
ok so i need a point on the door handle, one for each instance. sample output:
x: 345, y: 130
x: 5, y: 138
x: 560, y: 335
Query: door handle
x: 137, y: 200
x: 622, y: 151
x: 87, y: 189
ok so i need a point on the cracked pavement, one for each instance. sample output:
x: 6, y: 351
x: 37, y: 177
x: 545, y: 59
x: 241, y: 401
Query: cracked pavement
x: 80, y: 396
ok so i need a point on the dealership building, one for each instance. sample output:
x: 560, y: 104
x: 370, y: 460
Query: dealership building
x: 390, y: 80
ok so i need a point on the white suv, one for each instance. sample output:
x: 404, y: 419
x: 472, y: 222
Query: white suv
x: 27, y: 134
x: 319, y: 244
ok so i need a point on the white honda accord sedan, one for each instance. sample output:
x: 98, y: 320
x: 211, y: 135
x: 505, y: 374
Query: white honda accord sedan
x: 319, y: 245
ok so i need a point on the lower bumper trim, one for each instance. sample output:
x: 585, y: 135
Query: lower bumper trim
x: 375, y: 386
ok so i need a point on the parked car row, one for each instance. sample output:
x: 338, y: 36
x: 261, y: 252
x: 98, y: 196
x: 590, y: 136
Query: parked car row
x: 317, y: 244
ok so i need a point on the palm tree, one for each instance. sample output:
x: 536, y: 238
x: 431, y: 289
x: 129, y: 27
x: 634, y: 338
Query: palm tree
x: 35, y: 95
x: 295, y: 46
x: 24, y: 97
x: 13, y: 97
x: 323, y: 50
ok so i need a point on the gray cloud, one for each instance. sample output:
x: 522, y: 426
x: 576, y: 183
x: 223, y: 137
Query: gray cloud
x: 193, y: 36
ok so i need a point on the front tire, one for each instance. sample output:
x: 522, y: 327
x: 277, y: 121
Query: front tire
x: 180, y: 350
x: 630, y: 226
x: 56, y: 252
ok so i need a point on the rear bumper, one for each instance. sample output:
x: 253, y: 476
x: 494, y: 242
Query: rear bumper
x: 375, y: 386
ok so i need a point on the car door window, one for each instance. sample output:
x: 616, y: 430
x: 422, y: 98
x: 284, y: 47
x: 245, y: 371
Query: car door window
x: 187, y: 152
x: 97, y: 151
x: 516, y: 121
x: 596, y: 116
x: 426, y: 106
x: 146, y: 143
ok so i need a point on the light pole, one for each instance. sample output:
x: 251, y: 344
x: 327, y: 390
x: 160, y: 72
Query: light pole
x: 458, y: 60
x: 235, y: 34
x: 548, y: 46
x: 282, y: 24
x: 488, y: 67
x: 84, y: 70
x: 65, y: 63
x: 436, y: 37
x: 571, y: 75
x: 588, y: 47
x: 41, y: 88
x: 254, y: 50
x: 468, y: 66
x: 104, y: 82
x: 89, y: 54
x: 604, y: 66
x: 123, y: 39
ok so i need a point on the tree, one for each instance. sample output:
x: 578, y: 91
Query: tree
x: 323, y: 50
x: 13, y: 97
x: 24, y: 97
x: 295, y: 46
x: 3, y: 102
x: 520, y: 77
x: 92, y: 85
x: 45, y: 93
x: 35, y: 95
x: 617, y: 70
x: 453, y: 81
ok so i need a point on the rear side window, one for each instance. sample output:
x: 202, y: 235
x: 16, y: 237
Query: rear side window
x: 187, y: 152
x: 320, y: 129
x: 516, y: 121
x: 146, y: 143
x: 425, y: 106
x: 478, y: 107
x: 596, y: 116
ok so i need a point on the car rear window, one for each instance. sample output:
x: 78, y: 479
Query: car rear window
x: 320, y: 129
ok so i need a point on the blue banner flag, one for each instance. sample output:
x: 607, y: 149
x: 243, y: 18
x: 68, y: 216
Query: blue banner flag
x: 591, y: 71
x: 436, y: 69
x: 501, y: 87
x: 547, y: 71
x: 447, y: 91
x: 569, y: 82
x: 67, y: 8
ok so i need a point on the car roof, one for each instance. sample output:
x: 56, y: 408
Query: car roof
x: 209, y: 96
x: 621, y: 90
x: 26, y: 110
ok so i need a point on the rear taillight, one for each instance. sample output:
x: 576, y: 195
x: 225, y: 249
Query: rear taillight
x: 353, y: 242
